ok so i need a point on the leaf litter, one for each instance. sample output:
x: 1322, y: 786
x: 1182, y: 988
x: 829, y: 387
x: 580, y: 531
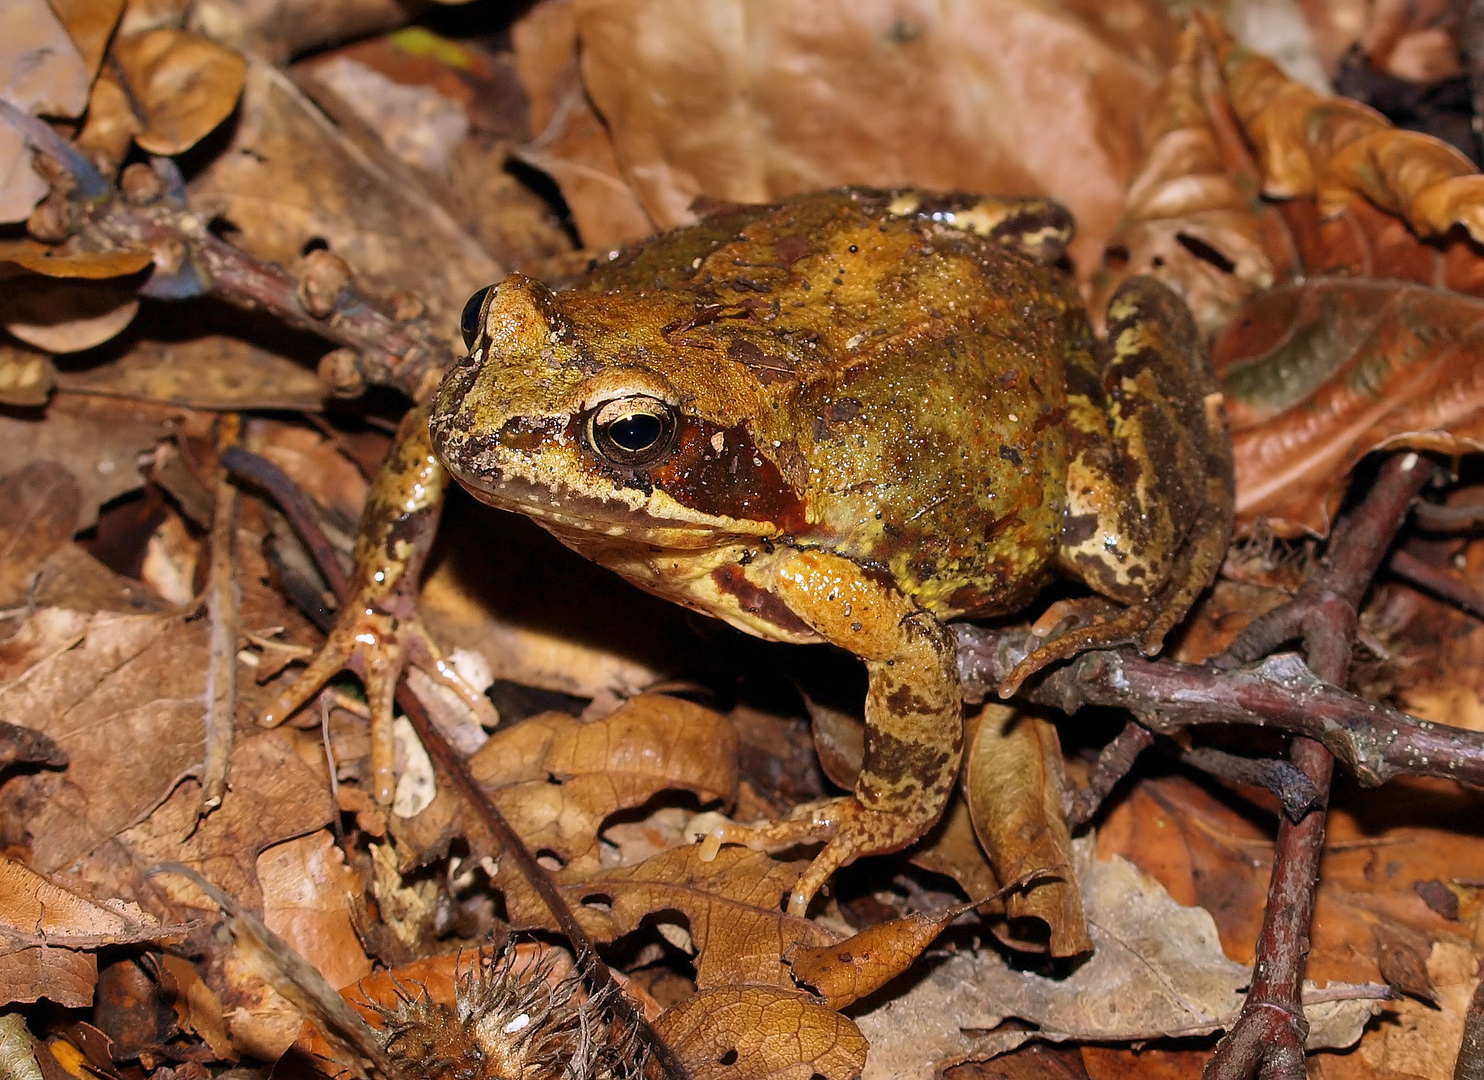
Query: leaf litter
x: 409, y: 157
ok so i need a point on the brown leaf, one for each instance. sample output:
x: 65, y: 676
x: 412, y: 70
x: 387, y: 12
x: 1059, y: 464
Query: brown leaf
x: 67, y: 316
x: 1336, y: 149
x: 110, y: 125
x: 849, y: 970
x: 206, y: 372
x: 762, y: 1033
x: 571, y: 143
x: 45, y: 930
x: 289, y: 177
x: 729, y: 910
x: 1401, y: 953
x: 1016, y: 794
x: 90, y: 23
x: 1187, y: 217
x: 30, y: 747
x: 753, y: 103
x: 42, y: 503
x: 59, y: 261
x: 183, y: 85
x: 556, y: 779
x: 40, y: 66
x: 121, y: 695
x: 1319, y: 374
x: 308, y: 895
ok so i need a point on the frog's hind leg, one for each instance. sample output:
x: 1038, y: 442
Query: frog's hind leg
x: 1150, y: 486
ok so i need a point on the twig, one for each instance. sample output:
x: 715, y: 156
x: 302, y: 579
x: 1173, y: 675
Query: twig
x: 594, y: 970
x: 223, y: 603
x: 1441, y: 584
x: 1288, y: 783
x: 1268, y: 1038
x: 1113, y: 764
x: 1470, y: 1063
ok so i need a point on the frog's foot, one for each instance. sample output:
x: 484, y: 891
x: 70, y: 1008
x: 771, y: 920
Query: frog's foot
x: 376, y: 646
x: 1147, y: 623
x: 850, y: 830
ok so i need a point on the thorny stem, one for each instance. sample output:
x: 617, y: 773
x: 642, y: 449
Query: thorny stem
x: 594, y: 970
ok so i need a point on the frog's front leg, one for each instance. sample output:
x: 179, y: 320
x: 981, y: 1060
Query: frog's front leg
x: 379, y: 631
x: 914, y: 719
x: 1150, y: 487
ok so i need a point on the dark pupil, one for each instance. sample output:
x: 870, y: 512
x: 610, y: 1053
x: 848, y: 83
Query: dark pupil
x: 635, y: 432
x: 469, y: 320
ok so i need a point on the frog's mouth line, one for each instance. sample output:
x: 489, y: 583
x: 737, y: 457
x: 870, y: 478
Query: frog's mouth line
x: 561, y: 509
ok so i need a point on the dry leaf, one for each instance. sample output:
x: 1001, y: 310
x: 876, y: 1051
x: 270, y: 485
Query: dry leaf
x: 90, y: 24
x: 27, y: 378
x: 308, y: 900
x: 110, y: 126
x: 1319, y: 374
x: 727, y: 913
x: 1188, y: 216
x: 1017, y: 801
x: 759, y: 101
x: 847, y: 971
x: 46, y: 930
x: 183, y: 86
x: 43, y: 502
x: 1157, y: 969
x: 66, y: 316
x: 59, y: 261
x: 289, y: 177
x: 41, y: 70
x: 762, y: 1033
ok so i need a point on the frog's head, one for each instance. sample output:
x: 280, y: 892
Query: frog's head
x: 577, y: 409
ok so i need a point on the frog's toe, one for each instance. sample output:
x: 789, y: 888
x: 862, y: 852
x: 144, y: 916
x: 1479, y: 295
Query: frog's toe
x: 851, y: 831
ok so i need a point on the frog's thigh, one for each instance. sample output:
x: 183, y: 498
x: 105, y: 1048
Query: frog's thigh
x: 1142, y: 446
x: 914, y: 721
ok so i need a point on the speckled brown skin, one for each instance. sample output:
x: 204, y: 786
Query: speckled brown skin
x: 876, y: 421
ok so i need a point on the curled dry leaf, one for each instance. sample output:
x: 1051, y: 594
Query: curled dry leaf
x: 1017, y: 800
x: 849, y: 970
x: 762, y: 1033
x: 1334, y: 149
x: 1156, y: 969
x: 183, y: 85
x: 46, y: 930
x: 1188, y: 216
x: 1319, y: 374
x: 110, y: 126
x: 66, y: 316
x: 557, y: 779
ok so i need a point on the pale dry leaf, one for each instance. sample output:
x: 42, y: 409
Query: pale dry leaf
x: 183, y: 85
x: 557, y: 779
x: 1422, y: 1040
x: 21, y: 187
x: 66, y: 316
x: 308, y: 900
x: 41, y: 69
x: 1157, y: 969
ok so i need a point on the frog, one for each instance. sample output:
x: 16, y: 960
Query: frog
x: 849, y: 417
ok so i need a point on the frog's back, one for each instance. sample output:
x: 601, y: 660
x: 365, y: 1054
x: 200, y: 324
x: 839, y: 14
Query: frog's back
x: 910, y: 376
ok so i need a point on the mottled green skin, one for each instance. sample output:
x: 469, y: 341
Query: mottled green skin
x: 882, y: 421
x: 907, y: 396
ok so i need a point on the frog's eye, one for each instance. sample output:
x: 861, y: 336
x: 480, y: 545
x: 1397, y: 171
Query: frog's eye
x: 469, y: 320
x: 629, y: 431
